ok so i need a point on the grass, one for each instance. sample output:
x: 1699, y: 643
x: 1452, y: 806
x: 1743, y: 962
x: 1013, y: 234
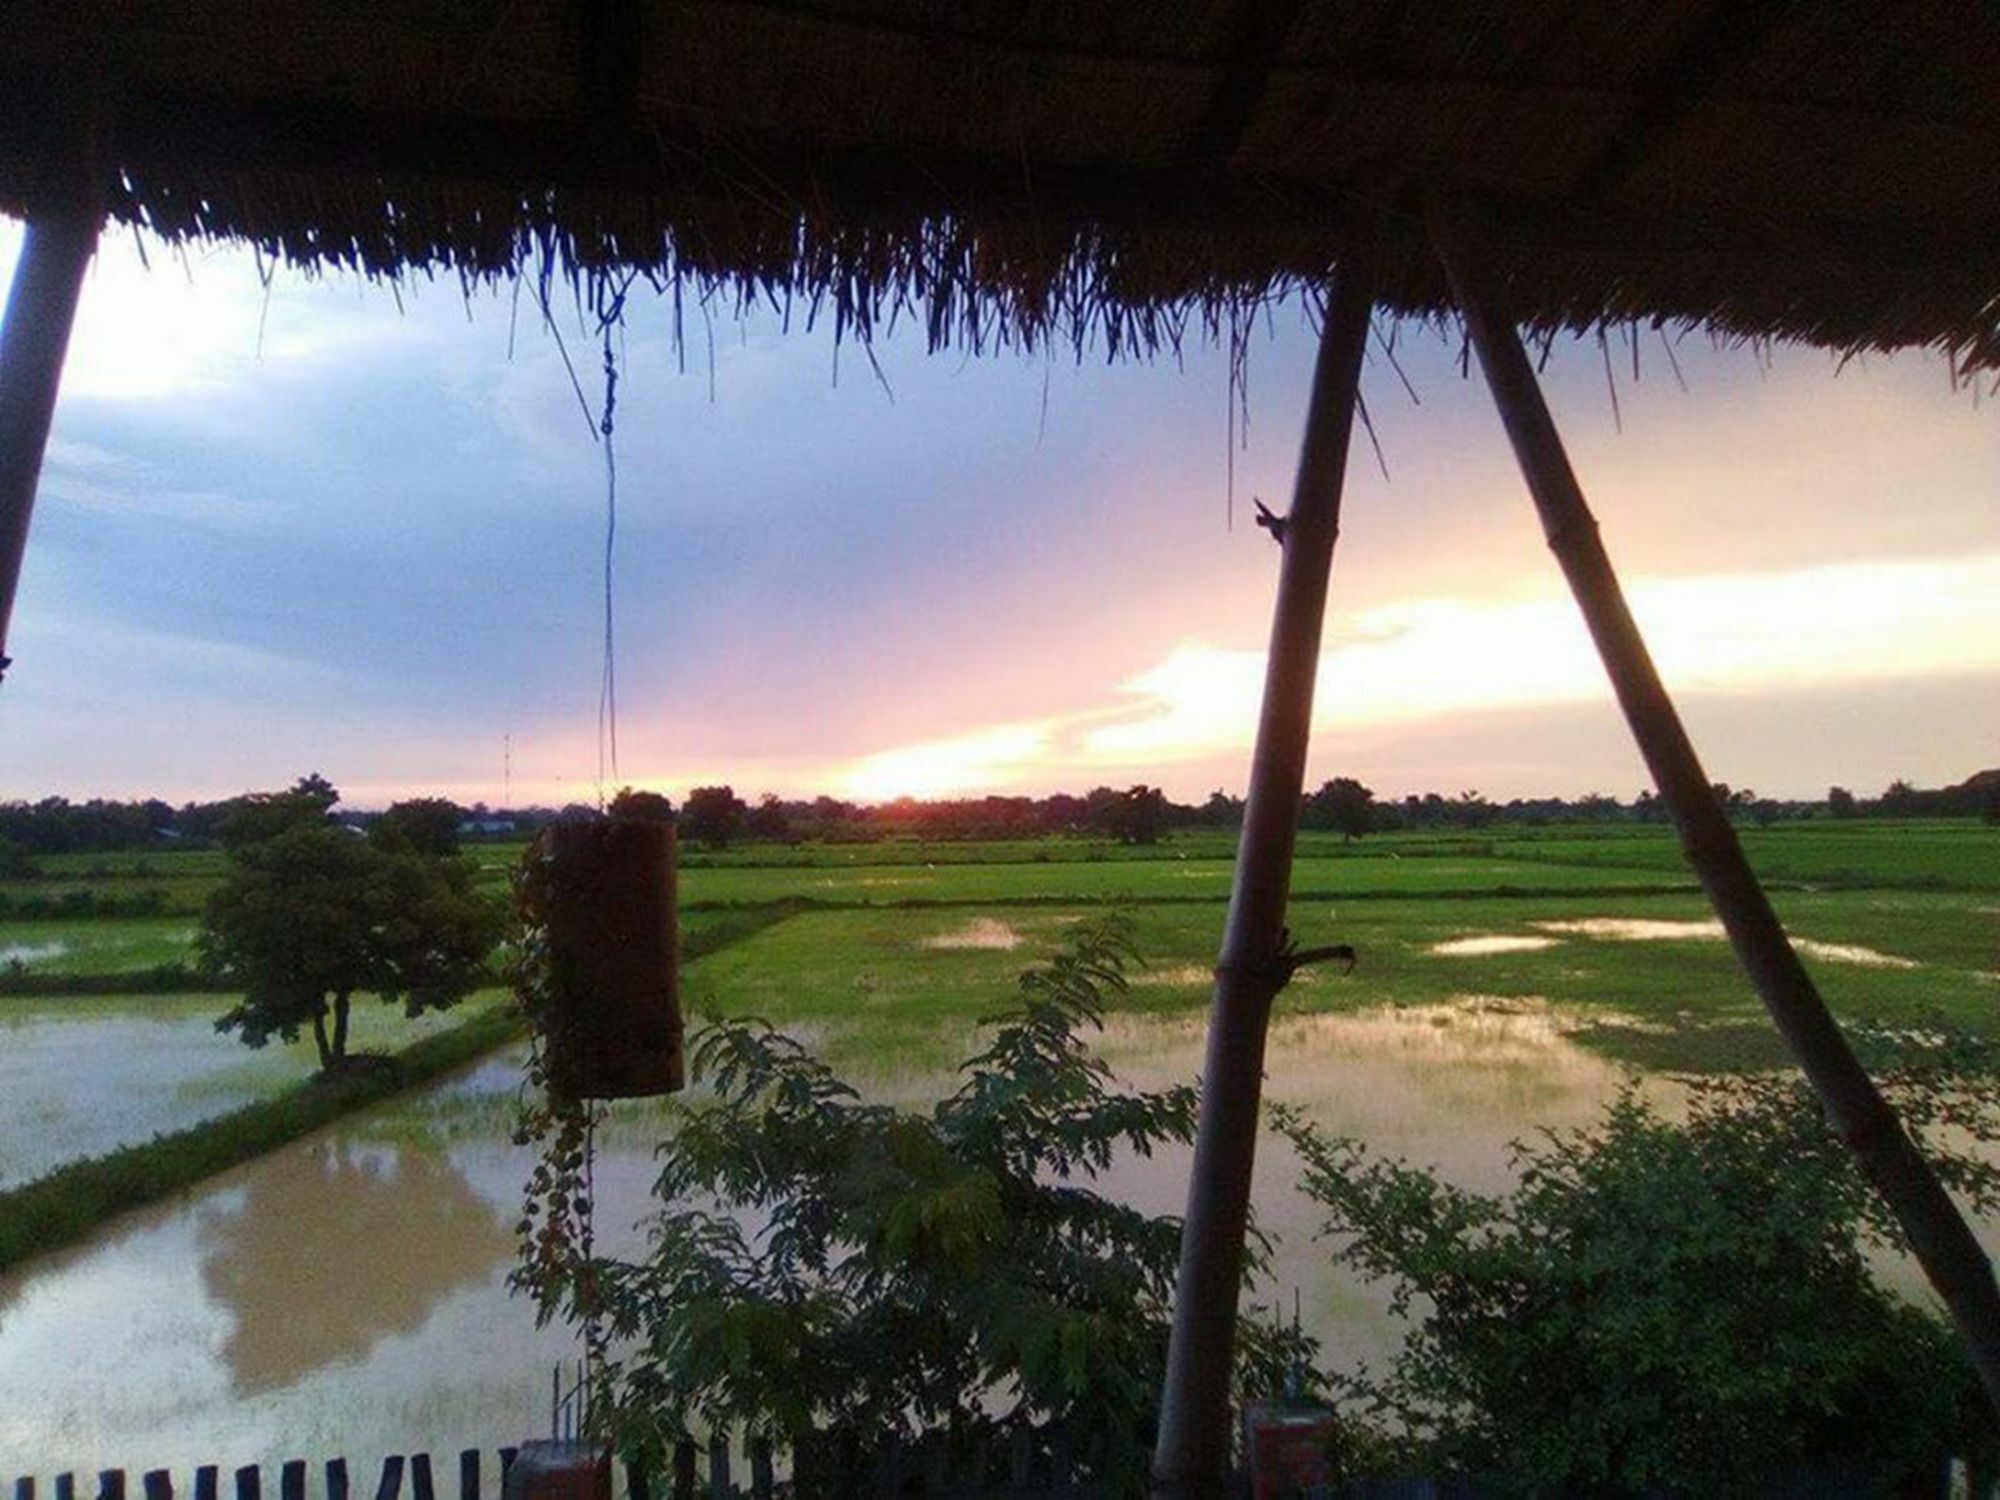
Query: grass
x: 1189, y: 865
x: 837, y: 933
x: 1961, y: 855
x: 878, y: 977
x: 1151, y: 880
x: 94, y: 946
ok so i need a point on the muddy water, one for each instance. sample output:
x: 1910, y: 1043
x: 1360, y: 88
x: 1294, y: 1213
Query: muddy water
x: 79, y: 1077
x: 347, y: 1294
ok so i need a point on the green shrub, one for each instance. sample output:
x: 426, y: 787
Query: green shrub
x: 1682, y: 1306
x: 822, y: 1269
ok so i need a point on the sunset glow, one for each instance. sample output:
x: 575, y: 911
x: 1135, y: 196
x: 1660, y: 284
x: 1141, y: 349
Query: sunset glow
x: 320, y: 527
x: 1426, y: 659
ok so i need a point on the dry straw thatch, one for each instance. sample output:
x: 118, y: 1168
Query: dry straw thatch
x: 1009, y: 171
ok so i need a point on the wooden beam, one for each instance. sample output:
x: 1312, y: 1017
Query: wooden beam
x: 1936, y: 1230
x: 41, y: 307
x: 1192, y: 1455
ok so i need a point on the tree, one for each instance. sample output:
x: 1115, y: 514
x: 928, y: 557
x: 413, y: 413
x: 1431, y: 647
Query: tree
x: 770, y: 819
x: 1899, y: 800
x: 1840, y: 802
x: 1133, y: 815
x: 803, y: 1234
x: 1222, y: 810
x: 258, y: 816
x: 1471, y: 810
x: 428, y: 825
x: 713, y: 814
x: 308, y: 916
x: 641, y: 807
x: 1343, y: 805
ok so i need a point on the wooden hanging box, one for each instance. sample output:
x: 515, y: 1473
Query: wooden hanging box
x: 604, y: 897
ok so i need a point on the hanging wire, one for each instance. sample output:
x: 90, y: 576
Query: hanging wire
x: 607, y: 692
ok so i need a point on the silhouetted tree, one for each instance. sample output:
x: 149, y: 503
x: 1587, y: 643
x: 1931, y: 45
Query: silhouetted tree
x: 1899, y: 800
x: 1471, y: 810
x: 1222, y: 810
x: 641, y: 807
x: 1133, y: 815
x: 1343, y: 805
x: 427, y: 825
x: 713, y: 814
x: 769, y: 819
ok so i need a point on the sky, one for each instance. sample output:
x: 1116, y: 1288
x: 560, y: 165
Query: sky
x: 329, y: 525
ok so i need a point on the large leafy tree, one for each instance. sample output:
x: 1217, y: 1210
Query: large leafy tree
x: 824, y: 1270
x: 311, y: 914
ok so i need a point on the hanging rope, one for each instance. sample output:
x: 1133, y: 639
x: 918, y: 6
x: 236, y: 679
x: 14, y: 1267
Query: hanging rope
x: 607, y: 691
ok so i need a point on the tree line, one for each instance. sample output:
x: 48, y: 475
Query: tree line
x: 717, y: 815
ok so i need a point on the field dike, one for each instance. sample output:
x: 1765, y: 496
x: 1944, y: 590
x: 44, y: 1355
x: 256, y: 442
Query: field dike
x: 69, y: 1203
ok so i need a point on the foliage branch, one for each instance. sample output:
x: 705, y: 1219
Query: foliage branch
x: 1672, y: 1307
x: 821, y: 1268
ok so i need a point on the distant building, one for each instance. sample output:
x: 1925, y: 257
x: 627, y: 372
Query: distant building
x: 485, y: 827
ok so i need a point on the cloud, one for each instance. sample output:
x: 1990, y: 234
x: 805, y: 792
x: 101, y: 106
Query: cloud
x: 83, y: 474
x: 1425, y: 660
x: 985, y: 760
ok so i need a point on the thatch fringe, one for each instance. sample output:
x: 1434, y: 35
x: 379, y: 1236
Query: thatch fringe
x: 1118, y: 177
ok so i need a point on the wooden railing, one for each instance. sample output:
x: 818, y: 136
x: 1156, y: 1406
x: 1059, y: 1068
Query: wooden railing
x: 1022, y: 1463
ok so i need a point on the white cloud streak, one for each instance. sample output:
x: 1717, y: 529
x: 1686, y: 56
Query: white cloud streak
x: 1434, y: 658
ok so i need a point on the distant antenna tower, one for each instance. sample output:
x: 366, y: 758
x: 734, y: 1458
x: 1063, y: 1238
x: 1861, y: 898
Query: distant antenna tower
x: 507, y: 770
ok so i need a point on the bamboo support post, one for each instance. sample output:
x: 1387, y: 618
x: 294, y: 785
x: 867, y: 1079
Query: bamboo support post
x: 1938, y: 1234
x: 1192, y: 1454
x: 41, y: 308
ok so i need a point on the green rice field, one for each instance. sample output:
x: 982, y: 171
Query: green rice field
x: 1508, y: 981
x: 898, y: 948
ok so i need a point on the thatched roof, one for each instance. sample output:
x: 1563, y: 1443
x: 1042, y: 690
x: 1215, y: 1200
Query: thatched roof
x: 1012, y: 169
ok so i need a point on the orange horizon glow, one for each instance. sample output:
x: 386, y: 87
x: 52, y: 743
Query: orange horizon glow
x: 1428, y: 660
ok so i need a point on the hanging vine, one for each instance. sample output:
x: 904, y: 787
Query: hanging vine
x: 558, y: 1265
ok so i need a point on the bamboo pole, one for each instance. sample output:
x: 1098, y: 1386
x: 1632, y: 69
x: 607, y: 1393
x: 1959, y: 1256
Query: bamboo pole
x: 1192, y: 1454
x: 1937, y: 1231
x: 41, y: 307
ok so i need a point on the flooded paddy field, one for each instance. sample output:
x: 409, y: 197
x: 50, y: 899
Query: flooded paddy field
x: 346, y: 1294
x: 95, y: 946
x: 82, y: 1075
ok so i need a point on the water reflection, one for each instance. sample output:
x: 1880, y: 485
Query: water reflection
x: 336, y: 1248
x: 346, y: 1294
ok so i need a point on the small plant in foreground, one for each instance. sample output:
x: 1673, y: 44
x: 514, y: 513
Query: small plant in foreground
x: 1672, y: 1308
x: 823, y: 1269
